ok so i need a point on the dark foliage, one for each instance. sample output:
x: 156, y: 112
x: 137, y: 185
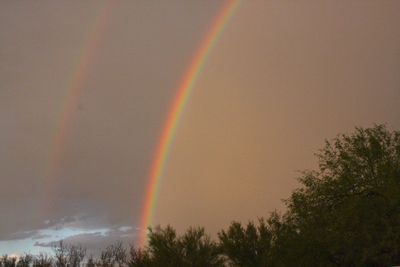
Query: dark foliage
x: 348, y: 212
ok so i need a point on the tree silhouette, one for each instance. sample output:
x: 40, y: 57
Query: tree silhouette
x: 249, y: 246
x: 139, y: 258
x: 348, y: 211
x: 166, y: 248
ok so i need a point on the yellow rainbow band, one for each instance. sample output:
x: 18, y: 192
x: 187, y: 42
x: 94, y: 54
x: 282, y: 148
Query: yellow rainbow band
x: 178, y: 106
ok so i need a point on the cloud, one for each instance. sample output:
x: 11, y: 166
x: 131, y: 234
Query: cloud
x: 20, y: 235
x: 76, y: 239
x: 78, y: 229
x: 96, y: 240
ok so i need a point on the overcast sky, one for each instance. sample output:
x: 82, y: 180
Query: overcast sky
x: 284, y: 76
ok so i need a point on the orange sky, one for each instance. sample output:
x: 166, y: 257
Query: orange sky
x: 283, y: 77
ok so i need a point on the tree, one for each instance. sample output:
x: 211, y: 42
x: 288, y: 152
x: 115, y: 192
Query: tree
x: 61, y: 254
x: 348, y: 211
x: 114, y: 255
x: 42, y: 260
x: 139, y: 258
x: 68, y: 255
x: 91, y: 262
x: 248, y: 246
x: 25, y: 260
x: 76, y: 254
x: 198, y: 249
x: 193, y: 248
x: 163, y: 246
x: 7, y: 261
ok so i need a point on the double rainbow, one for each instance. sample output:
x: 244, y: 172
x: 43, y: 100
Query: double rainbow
x: 184, y: 90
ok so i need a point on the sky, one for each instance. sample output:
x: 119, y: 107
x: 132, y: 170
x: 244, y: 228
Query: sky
x: 283, y: 77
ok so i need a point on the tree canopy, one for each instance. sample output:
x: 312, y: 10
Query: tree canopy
x: 347, y: 213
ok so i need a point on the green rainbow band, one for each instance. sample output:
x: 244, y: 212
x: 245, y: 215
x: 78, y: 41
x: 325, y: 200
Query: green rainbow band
x: 178, y: 106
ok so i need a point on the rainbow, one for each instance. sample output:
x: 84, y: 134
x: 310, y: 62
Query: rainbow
x: 71, y: 104
x: 184, y: 90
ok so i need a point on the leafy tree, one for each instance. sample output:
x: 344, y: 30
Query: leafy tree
x: 164, y: 247
x: 198, y: 249
x: 348, y: 211
x: 194, y: 248
x: 139, y: 258
x: 246, y: 246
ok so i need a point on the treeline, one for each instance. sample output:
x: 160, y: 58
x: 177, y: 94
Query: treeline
x: 346, y: 213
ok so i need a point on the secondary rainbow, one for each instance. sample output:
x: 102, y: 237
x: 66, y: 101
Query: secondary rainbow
x: 71, y: 103
x: 178, y: 106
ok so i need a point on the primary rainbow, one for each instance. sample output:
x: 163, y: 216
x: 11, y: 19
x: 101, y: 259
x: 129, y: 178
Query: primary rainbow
x: 183, y: 93
x: 71, y: 104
